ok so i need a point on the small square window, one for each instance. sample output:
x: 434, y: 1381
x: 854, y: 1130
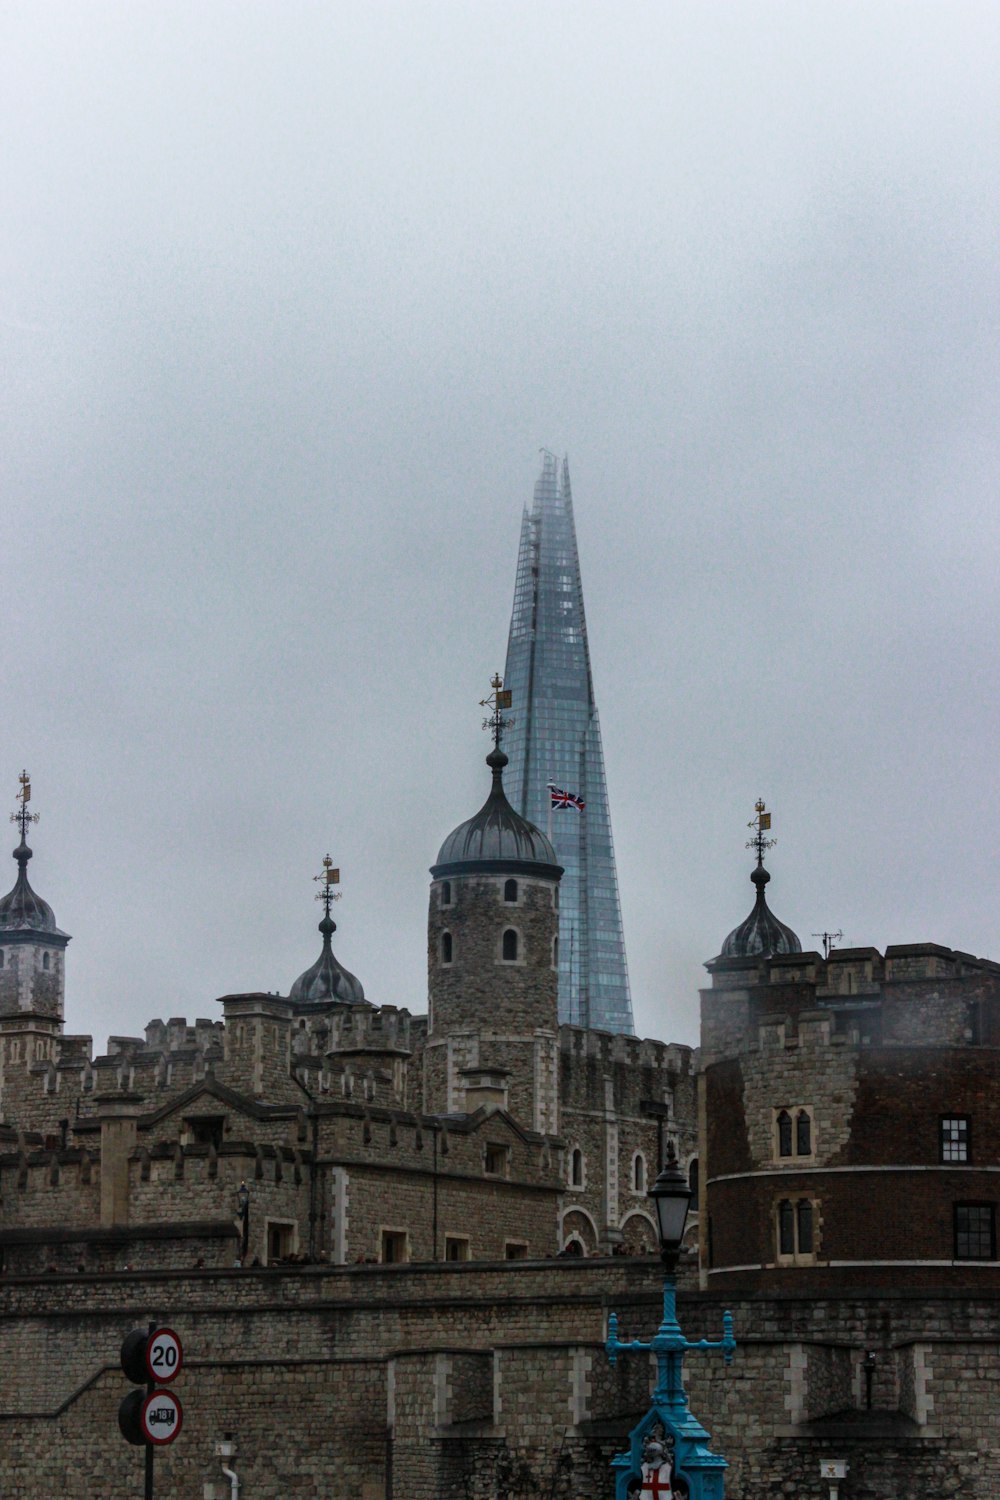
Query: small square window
x: 456, y: 1247
x: 955, y: 1138
x: 394, y: 1247
x: 515, y: 1250
x: 280, y: 1241
x: 496, y: 1160
x: 975, y: 1231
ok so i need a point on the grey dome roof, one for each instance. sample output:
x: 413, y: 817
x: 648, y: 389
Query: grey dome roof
x: 21, y: 907
x: 497, y: 837
x: 761, y: 932
x: 327, y: 979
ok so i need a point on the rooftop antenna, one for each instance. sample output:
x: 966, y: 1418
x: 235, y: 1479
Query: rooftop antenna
x: 330, y: 876
x: 829, y: 938
x: 498, y: 700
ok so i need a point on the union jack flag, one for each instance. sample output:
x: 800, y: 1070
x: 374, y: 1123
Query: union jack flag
x: 565, y: 799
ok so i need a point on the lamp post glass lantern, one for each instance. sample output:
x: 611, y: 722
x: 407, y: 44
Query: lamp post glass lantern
x: 671, y: 1198
x: 668, y: 1450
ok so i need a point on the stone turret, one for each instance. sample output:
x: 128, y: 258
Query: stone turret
x: 493, y: 928
x: 32, y: 947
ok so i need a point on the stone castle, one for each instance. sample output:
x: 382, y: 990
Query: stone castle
x: 416, y: 1222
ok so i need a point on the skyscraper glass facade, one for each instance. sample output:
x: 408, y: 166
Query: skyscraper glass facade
x: 556, y: 738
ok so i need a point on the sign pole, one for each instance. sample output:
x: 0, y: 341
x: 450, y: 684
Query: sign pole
x: 150, y: 1388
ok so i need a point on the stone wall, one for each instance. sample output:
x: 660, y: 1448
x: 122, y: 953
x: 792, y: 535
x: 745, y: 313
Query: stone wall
x: 482, y: 1381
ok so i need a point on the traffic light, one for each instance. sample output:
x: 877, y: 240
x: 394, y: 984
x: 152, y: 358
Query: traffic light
x: 151, y: 1357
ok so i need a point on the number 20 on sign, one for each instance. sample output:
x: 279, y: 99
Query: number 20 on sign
x: 164, y: 1356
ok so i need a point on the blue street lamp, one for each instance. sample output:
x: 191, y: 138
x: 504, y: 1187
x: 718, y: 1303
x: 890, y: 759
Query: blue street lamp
x: 693, y: 1471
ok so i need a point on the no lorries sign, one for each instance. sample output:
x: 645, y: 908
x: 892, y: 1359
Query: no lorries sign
x: 161, y: 1417
x: 164, y: 1356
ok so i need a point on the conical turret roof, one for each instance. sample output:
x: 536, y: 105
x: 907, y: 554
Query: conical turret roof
x: 497, y: 838
x: 326, y: 979
x: 761, y: 932
x: 22, y: 909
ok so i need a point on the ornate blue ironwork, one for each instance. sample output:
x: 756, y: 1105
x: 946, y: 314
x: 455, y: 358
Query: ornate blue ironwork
x: 694, y: 1462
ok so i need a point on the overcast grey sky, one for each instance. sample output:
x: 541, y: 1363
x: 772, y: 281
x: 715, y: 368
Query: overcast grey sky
x: 292, y: 294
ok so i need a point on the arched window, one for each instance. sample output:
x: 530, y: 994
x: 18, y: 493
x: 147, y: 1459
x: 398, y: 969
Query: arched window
x: 694, y: 1182
x: 510, y: 892
x: 639, y: 1173
x: 786, y: 1227
x: 45, y: 960
x: 509, y: 949
x: 446, y: 948
x: 446, y: 893
x: 803, y: 1133
x: 784, y: 1133
x: 576, y: 1167
x: 804, y: 1216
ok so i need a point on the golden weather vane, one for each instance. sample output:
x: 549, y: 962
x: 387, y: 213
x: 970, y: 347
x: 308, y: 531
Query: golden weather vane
x: 23, y: 817
x: 761, y: 824
x: 499, y: 699
x: 330, y: 876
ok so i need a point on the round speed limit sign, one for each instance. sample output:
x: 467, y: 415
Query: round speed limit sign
x: 161, y: 1417
x: 164, y: 1356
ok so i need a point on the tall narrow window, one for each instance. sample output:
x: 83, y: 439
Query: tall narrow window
x: 975, y: 1231
x: 45, y: 960
x: 446, y: 893
x: 639, y: 1174
x: 510, y: 892
x: 693, y: 1181
x: 446, y: 947
x: 576, y: 1168
x: 509, y: 949
x: 793, y: 1132
x: 796, y: 1225
x: 804, y: 1226
x: 803, y: 1133
x: 555, y: 953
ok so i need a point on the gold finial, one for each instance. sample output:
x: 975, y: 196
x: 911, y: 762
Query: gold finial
x: 761, y: 824
x: 499, y: 699
x: 23, y: 817
x: 330, y: 876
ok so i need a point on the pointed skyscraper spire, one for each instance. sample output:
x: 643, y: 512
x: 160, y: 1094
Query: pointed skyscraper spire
x: 556, y: 740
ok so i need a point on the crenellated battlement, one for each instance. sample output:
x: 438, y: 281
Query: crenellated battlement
x: 361, y: 1028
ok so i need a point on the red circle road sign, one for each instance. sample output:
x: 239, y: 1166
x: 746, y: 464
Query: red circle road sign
x: 164, y: 1356
x: 161, y: 1417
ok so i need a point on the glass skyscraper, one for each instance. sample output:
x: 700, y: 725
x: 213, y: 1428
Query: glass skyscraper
x: 556, y: 739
